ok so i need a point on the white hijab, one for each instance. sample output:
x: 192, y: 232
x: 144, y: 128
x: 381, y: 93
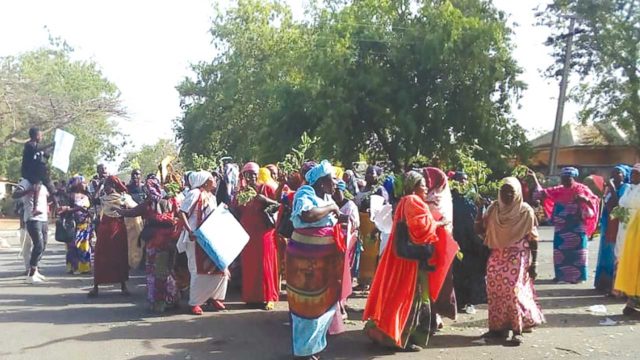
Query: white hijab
x: 198, y: 178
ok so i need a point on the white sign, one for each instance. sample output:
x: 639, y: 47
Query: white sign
x: 62, y: 151
x: 222, y: 237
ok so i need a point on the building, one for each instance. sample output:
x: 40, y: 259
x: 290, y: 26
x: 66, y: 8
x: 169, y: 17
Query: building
x: 593, y: 148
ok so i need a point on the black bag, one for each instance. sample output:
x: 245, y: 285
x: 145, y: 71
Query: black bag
x: 408, y: 250
x: 270, y: 214
x: 65, y: 229
x: 285, y: 228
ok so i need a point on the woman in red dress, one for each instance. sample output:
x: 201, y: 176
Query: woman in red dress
x: 260, y: 257
x: 111, y: 262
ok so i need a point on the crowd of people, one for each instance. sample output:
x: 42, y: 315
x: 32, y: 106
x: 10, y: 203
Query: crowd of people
x: 416, y: 248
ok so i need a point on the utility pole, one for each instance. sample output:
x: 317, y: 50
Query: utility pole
x: 553, y: 157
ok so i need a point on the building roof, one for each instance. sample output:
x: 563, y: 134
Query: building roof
x: 601, y: 133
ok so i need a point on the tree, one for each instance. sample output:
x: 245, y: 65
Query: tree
x: 47, y: 89
x: 389, y: 79
x: 606, y: 57
x: 149, y: 157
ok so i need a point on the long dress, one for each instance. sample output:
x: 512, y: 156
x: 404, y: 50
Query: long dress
x: 628, y: 275
x: 574, y: 223
x: 369, y: 236
x: 111, y: 264
x: 314, y: 272
x: 606, y: 266
x: 160, y: 248
x: 79, y: 251
x: 510, y: 292
x: 470, y: 271
x: 260, y: 257
x: 398, y: 309
x: 206, y: 280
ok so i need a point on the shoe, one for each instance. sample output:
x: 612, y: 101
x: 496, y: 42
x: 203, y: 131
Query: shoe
x: 218, y: 305
x: 470, y: 309
x: 196, y: 310
x: 629, y: 311
x: 494, y: 334
x: 412, y: 348
x: 516, y: 340
x: 39, y: 275
x: 34, y: 280
x: 269, y: 306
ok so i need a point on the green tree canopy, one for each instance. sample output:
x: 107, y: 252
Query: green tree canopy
x: 148, y: 157
x: 46, y: 88
x: 386, y: 79
x: 606, y: 57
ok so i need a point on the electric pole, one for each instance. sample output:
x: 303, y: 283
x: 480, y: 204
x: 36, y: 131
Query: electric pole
x: 553, y: 156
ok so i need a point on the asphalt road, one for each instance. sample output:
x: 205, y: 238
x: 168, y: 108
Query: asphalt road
x: 58, y: 321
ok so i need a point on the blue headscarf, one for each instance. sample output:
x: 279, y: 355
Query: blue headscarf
x: 319, y: 171
x: 626, y: 172
x: 570, y: 171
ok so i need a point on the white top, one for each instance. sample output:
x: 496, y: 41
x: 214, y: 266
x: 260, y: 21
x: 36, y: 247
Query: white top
x: 27, y: 200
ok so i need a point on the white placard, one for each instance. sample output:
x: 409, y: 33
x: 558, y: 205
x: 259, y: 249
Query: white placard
x: 62, y: 151
x: 376, y: 203
x: 222, y: 237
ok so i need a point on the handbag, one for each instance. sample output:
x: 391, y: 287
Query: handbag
x: 271, y: 215
x: 285, y: 227
x: 65, y: 229
x: 408, y: 250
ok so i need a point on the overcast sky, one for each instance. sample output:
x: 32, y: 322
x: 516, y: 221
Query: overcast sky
x: 145, y: 47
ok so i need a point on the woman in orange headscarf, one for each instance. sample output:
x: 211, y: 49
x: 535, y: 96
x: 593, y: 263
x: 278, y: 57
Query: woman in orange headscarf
x: 398, y: 312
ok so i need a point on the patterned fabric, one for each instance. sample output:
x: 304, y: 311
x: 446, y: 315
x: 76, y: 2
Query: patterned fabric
x: 569, y: 244
x: 510, y: 292
x: 161, y: 283
x: 79, y: 251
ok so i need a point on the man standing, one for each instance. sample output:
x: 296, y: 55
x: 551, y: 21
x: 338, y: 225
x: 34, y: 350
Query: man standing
x: 135, y: 187
x: 36, y: 221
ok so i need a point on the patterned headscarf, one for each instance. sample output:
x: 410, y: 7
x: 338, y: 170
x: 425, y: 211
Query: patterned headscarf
x: 153, y: 188
x: 626, y: 172
x: 319, y: 171
x: 570, y: 171
x: 411, y: 180
x: 251, y: 167
x: 117, y: 184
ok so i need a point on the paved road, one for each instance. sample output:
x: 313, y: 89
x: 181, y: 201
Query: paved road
x: 58, y: 321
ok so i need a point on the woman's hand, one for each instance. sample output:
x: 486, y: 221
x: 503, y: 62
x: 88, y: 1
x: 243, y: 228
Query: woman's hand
x: 443, y: 223
x: 582, y: 199
x: 533, y: 274
x: 63, y: 209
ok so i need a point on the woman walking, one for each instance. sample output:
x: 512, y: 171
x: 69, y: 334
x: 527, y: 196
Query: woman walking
x: 575, y: 211
x: 606, y: 267
x: 79, y: 251
x: 208, y: 283
x: 628, y: 273
x: 511, y: 232
x: 260, y: 257
x: 111, y: 264
x: 159, y: 237
x: 314, y: 257
x: 398, y: 310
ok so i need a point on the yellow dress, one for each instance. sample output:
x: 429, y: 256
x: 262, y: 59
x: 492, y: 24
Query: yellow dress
x: 628, y: 272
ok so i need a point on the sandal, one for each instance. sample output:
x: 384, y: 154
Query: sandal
x: 517, y: 339
x: 93, y: 293
x: 196, y: 310
x: 218, y: 305
x: 495, y: 334
x: 268, y: 306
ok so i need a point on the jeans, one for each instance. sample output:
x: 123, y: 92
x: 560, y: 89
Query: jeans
x: 38, y: 231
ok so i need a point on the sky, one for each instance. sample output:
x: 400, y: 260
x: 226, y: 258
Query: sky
x: 146, y: 47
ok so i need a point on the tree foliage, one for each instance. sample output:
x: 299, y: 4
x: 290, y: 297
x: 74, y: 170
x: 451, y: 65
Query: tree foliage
x: 148, y: 157
x: 384, y: 79
x: 606, y: 57
x: 46, y: 88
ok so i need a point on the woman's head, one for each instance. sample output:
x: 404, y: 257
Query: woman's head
x: 435, y: 178
x: 273, y: 171
x: 202, y: 180
x: 153, y: 189
x: 373, y: 174
x: 77, y: 184
x: 136, y: 176
x: 321, y: 178
x: 568, y: 175
x: 294, y: 180
x: 621, y: 174
x: 415, y: 184
x: 510, y: 191
x: 250, y: 173
x: 340, y: 188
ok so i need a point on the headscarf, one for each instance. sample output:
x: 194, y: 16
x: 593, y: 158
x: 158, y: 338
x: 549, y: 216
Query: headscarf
x: 352, y: 185
x: 339, y: 172
x: 308, y: 165
x: 377, y: 170
x: 319, y: 171
x: 570, y: 171
x: 75, y: 181
x: 273, y: 168
x: 117, y: 184
x: 199, y: 178
x: 264, y: 176
x: 411, y: 180
x: 626, y: 172
x: 436, y: 178
x: 153, y: 188
x: 508, y: 224
x: 251, y: 167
